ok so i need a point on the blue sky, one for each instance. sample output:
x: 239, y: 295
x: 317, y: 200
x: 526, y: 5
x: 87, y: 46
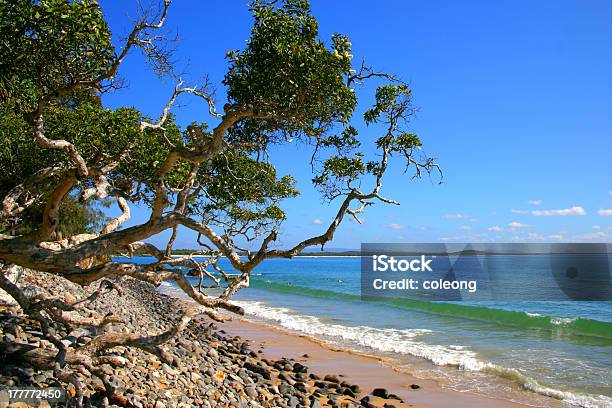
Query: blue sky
x: 514, y: 98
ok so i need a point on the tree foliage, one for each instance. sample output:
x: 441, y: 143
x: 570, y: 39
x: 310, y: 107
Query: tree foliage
x: 64, y: 155
x: 49, y: 46
x: 289, y: 75
x: 59, y: 143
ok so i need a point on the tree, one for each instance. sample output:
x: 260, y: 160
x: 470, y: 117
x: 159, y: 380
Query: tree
x: 59, y: 145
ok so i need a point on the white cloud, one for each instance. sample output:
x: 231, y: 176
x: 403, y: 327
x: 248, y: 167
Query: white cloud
x: 455, y: 216
x: 519, y: 211
x: 576, y: 210
x: 596, y: 227
x: 465, y: 227
x: 532, y: 236
x: 396, y: 226
x: 540, y: 237
x: 610, y: 192
x: 317, y: 221
x: 556, y: 237
x: 451, y: 238
x: 594, y: 236
x: 473, y: 219
x: 605, y: 212
x: 495, y: 228
x: 534, y: 202
x: 516, y: 225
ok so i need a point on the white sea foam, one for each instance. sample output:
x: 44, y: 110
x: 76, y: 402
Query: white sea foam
x: 406, y: 342
x: 560, y: 321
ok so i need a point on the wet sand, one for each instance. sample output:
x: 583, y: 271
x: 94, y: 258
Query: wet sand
x: 368, y: 372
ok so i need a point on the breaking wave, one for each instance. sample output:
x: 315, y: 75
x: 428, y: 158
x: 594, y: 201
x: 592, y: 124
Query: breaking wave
x: 406, y: 341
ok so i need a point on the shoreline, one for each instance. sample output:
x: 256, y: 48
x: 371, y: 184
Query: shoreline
x: 367, y: 370
x: 279, y: 342
x: 498, y: 384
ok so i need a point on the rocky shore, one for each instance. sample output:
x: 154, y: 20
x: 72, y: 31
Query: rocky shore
x: 208, y: 368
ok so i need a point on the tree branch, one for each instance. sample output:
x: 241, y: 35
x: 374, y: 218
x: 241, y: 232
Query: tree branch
x: 42, y: 140
x: 115, y: 223
x: 133, y: 40
x: 149, y: 343
x: 49, y: 220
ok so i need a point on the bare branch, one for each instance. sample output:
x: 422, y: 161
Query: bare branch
x: 366, y: 72
x: 125, y: 215
x: 49, y: 221
x: 149, y: 343
x: 178, y: 90
x: 171, y: 241
x: 69, y: 148
x: 10, y: 206
x: 133, y: 39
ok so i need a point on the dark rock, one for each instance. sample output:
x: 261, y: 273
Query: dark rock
x: 331, y: 378
x: 299, y: 368
x: 286, y: 377
x: 321, y: 384
x: 365, y: 402
x: 380, y: 392
x: 415, y: 386
x: 301, y: 387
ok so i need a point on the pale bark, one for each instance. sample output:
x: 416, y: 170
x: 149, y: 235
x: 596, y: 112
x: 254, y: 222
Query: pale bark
x: 86, y: 258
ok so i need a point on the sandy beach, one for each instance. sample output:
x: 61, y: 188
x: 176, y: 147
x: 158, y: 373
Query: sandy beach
x: 368, y: 371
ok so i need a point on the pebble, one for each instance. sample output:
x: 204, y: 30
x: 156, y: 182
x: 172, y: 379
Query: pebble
x: 381, y: 393
x: 207, y: 367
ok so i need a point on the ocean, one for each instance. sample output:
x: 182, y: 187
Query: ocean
x: 525, y: 351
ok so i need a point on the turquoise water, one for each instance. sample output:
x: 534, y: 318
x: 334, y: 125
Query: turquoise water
x: 533, y: 352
